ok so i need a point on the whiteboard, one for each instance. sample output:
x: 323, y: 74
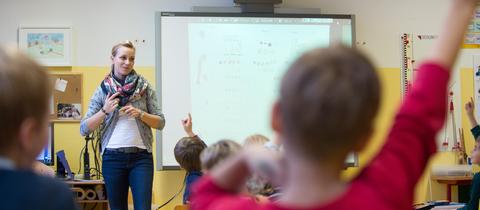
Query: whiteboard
x: 225, y: 70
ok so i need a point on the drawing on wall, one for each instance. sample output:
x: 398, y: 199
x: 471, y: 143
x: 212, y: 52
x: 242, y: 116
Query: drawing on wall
x: 472, y: 36
x: 49, y: 46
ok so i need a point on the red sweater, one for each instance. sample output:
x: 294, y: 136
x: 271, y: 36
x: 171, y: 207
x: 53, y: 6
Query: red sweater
x: 388, y: 182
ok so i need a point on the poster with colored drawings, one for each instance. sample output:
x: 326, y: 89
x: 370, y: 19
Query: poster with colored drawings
x: 49, y: 46
x: 415, y: 49
x: 472, y: 37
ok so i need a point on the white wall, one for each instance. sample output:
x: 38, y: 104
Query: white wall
x: 98, y: 24
x: 381, y: 22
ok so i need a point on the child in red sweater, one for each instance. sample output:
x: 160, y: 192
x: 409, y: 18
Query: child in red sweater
x: 327, y: 105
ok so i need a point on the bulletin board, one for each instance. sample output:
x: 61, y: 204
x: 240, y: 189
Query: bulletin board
x: 66, y: 102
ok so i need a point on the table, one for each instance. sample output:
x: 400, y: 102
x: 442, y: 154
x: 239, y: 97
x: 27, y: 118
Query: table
x: 452, y: 180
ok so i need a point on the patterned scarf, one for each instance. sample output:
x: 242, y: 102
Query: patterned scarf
x: 131, y: 89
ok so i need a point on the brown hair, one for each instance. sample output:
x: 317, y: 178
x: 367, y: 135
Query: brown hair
x: 218, y: 152
x: 187, y: 153
x: 25, y: 91
x: 328, y: 100
x: 256, y: 139
x: 127, y: 44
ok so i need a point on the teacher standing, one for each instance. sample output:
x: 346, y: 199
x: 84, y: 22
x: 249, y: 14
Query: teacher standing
x: 125, y: 109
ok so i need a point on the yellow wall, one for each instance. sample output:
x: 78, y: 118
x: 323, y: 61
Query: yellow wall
x: 426, y: 188
x: 438, y: 191
x: 167, y: 183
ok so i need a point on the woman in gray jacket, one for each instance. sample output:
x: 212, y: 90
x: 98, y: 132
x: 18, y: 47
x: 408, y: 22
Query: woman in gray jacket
x: 124, y: 107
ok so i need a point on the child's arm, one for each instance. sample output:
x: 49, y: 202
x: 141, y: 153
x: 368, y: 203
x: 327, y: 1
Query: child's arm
x: 227, y: 179
x: 451, y: 37
x: 412, y: 139
x: 42, y: 169
x: 232, y: 174
x: 470, y: 110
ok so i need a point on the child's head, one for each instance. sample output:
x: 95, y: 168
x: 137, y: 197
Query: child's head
x: 187, y: 153
x: 24, y: 104
x: 256, y: 139
x: 218, y: 152
x: 328, y: 101
x: 476, y: 152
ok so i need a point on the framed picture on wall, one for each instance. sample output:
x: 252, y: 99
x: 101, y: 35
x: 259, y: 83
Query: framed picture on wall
x: 50, y: 46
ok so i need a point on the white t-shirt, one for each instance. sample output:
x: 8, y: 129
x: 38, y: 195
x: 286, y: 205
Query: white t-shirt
x: 126, y: 134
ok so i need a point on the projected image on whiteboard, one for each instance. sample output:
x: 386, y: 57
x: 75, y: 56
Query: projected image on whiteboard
x: 235, y: 72
x: 226, y: 71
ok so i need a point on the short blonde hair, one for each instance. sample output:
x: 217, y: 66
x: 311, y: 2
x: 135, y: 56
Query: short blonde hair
x: 126, y: 43
x: 25, y: 92
x: 256, y: 139
x: 218, y: 152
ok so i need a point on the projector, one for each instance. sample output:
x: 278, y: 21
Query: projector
x: 257, y: 1
x: 257, y: 6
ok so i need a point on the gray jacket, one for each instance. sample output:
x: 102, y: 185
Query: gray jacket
x: 148, y: 103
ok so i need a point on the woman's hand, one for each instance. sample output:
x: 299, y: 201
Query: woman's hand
x: 131, y: 111
x: 111, y: 103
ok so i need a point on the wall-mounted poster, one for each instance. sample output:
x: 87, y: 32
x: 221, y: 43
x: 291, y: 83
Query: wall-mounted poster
x: 49, y: 46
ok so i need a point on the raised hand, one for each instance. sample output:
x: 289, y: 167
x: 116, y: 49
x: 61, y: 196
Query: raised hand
x: 187, y: 125
x: 470, y: 110
x: 470, y: 107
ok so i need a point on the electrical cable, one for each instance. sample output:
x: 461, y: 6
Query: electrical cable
x: 176, y: 194
x: 96, y: 150
x: 80, y: 160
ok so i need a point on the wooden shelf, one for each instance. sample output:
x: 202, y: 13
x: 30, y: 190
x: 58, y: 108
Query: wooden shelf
x: 81, y: 185
x: 85, y: 182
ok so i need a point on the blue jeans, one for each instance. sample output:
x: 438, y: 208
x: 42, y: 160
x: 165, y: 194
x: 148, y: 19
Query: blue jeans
x: 121, y: 170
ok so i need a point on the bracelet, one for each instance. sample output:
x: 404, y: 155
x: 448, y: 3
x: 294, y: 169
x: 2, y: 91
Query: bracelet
x: 104, y: 112
x: 142, y: 113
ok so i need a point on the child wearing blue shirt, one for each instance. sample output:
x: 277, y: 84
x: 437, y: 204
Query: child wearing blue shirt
x: 187, y: 153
